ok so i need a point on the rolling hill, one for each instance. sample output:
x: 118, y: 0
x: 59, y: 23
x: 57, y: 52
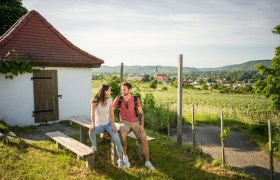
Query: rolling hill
x: 247, y: 66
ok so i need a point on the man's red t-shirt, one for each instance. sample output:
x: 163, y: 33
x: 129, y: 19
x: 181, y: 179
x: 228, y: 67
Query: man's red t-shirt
x: 127, y: 114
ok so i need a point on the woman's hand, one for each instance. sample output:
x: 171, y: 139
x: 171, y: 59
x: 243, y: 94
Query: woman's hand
x: 92, y: 128
x: 114, y: 129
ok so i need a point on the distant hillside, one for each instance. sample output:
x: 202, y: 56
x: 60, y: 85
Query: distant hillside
x: 248, y: 66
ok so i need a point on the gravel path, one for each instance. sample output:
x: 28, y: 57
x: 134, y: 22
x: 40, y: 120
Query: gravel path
x: 240, y: 152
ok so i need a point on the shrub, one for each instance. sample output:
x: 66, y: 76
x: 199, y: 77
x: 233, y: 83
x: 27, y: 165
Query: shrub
x: 164, y: 88
x: 3, y: 127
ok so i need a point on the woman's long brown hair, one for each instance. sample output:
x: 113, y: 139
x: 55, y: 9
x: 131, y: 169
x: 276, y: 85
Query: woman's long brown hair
x: 100, y: 95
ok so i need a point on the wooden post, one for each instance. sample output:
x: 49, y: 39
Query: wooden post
x: 121, y: 77
x: 168, y: 123
x: 114, y: 154
x: 193, y: 131
x: 83, y: 134
x: 222, y: 141
x: 179, y: 101
x: 270, y: 149
x: 90, y: 161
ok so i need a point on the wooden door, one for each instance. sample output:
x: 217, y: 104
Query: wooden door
x: 45, y: 95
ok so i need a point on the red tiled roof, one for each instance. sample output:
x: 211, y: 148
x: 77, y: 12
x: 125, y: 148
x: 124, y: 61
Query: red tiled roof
x: 35, y: 39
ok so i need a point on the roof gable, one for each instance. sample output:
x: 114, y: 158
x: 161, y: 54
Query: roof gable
x: 35, y: 39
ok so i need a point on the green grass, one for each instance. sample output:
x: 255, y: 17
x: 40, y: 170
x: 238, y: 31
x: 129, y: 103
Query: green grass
x: 20, y: 159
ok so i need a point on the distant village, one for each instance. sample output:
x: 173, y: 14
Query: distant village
x: 194, y: 82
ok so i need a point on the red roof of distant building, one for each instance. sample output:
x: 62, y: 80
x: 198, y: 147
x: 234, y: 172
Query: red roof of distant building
x: 35, y: 39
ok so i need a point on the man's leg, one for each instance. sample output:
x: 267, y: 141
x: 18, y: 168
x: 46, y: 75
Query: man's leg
x: 141, y: 136
x: 145, y: 147
x: 123, y: 135
x: 124, y: 129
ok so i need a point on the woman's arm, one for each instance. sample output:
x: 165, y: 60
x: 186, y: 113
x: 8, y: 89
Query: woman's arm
x: 113, y: 118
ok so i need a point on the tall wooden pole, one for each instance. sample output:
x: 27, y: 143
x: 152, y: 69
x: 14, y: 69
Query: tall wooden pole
x: 179, y: 101
x: 121, y: 78
x: 168, y: 122
x: 270, y: 149
x: 193, y: 131
x: 222, y: 140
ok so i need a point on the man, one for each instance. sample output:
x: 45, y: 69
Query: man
x: 129, y: 121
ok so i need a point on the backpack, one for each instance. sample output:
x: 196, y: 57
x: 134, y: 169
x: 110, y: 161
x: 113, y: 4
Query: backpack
x: 135, y: 105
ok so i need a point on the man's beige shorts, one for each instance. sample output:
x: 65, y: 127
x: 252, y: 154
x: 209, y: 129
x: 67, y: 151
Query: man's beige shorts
x: 132, y: 126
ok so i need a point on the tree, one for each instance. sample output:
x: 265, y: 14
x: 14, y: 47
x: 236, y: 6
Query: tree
x: 270, y: 85
x: 153, y: 84
x: 10, y: 12
x: 114, y: 82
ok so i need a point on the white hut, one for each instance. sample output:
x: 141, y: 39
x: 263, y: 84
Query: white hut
x: 62, y: 88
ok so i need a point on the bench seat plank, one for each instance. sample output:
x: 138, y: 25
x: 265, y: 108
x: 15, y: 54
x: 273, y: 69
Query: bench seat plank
x: 132, y: 135
x: 80, y: 149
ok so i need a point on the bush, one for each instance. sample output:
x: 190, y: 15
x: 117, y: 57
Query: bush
x: 153, y: 84
x: 3, y: 127
x: 149, y: 101
x: 164, y: 88
x: 114, y: 82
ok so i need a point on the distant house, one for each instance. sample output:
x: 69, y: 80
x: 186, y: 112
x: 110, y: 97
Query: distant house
x: 61, y: 88
x: 219, y: 80
x: 162, y: 77
x: 188, y: 81
x: 235, y: 86
x: 139, y: 77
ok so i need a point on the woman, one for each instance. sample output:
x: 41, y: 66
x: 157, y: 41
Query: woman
x: 102, y: 118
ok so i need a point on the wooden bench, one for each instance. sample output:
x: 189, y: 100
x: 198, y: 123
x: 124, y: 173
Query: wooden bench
x: 82, y: 150
x: 85, y: 123
x: 131, y: 135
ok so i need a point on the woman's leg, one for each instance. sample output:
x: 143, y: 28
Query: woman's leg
x: 92, y: 136
x: 116, y: 139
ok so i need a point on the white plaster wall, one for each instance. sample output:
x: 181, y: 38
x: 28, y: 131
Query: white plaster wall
x: 74, y: 84
x: 17, y: 99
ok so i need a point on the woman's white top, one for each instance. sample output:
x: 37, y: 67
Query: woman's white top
x: 102, y: 113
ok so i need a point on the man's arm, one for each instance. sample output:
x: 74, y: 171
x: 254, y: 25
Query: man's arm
x: 140, y: 116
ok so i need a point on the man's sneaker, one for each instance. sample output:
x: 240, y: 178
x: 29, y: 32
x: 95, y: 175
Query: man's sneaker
x: 149, y: 165
x: 126, y: 162
x: 120, y: 163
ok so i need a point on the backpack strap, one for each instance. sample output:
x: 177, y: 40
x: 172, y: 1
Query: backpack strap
x: 119, y: 104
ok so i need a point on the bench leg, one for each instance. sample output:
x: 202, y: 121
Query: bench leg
x: 90, y: 161
x: 83, y: 134
x: 59, y: 146
x: 139, y: 148
x: 114, y: 154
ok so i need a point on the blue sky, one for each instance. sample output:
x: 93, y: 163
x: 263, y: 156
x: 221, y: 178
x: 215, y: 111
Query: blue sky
x: 209, y: 33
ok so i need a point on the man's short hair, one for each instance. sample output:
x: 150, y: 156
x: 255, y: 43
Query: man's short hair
x: 127, y: 84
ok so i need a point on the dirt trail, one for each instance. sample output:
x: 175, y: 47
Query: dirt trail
x: 240, y: 152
